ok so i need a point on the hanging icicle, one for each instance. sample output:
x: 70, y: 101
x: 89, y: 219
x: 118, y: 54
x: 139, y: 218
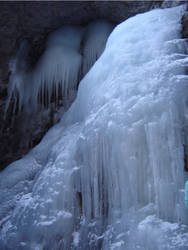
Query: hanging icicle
x: 97, y: 33
x: 55, y: 75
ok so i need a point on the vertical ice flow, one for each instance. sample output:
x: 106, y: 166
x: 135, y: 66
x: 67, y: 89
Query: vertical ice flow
x: 110, y: 175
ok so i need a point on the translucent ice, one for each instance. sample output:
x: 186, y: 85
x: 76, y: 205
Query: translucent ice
x: 97, y: 33
x: 58, y: 70
x: 56, y: 73
x: 110, y: 175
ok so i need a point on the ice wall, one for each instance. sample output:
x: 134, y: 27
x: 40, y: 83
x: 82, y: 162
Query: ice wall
x: 110, y: 175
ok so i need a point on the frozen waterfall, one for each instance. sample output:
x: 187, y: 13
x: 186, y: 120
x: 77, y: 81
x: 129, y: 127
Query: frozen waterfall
x: 111, y: 174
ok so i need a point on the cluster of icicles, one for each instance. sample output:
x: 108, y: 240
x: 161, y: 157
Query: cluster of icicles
x: 59, y: 69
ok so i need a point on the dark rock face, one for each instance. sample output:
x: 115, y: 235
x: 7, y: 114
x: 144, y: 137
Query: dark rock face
x: 33, y: 21
x: 185, y: 25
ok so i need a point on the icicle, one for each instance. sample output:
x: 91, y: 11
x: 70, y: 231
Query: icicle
x: 186, y: 194
x: 58, y: 68
x: 57, y: 71
x: 96, y: 36
x: 18, y: 67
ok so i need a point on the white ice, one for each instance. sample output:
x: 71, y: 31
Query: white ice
x: 110, y: 175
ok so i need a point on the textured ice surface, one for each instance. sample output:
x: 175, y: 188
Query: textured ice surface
x: 110, y: 175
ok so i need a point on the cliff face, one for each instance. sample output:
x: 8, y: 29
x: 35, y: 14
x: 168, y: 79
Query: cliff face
x: 33, y: 21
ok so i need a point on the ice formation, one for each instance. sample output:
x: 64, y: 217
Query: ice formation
x: 97, y: 33
x: 58, y: 69
x: 18, y: 68
x: 56, y: 73
x: 111, y: 174
x: 186, y: 193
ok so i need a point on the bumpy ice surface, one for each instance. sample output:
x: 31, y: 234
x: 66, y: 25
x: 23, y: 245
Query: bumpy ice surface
x: 110, y: 175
